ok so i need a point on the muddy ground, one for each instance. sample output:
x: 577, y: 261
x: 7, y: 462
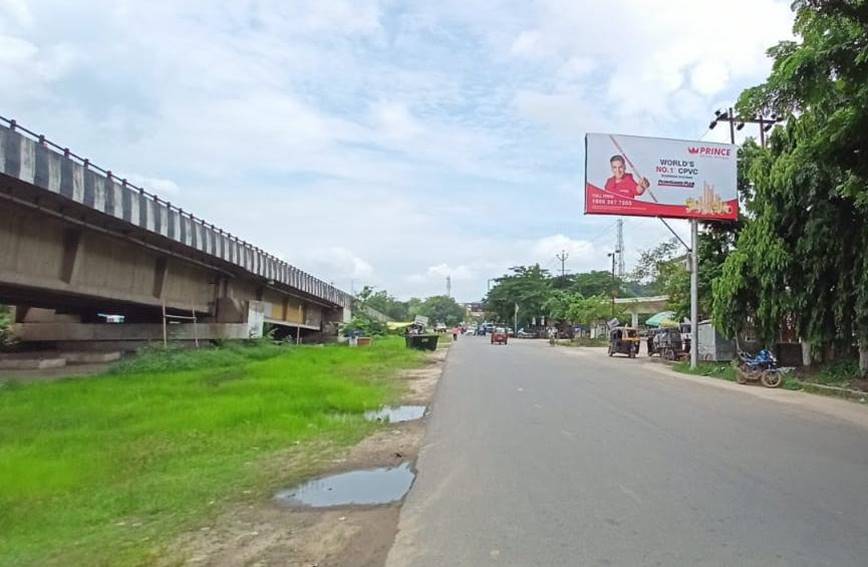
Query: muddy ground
x: 268, y: 533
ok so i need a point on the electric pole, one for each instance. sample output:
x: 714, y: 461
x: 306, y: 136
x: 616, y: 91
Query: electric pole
x: 620, y: 248
x: 563, y: 258
x: 614, y: 285
x: 766, y: 123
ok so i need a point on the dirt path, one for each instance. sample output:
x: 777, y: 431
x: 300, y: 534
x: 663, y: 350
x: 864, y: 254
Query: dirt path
x: 267, y: 533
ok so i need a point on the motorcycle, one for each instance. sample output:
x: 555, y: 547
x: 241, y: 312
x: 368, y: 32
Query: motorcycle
x: 762, y: 368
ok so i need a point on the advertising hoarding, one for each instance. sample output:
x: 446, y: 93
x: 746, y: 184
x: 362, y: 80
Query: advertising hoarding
x: 660, y: 177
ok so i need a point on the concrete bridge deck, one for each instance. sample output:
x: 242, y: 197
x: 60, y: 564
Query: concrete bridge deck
x: 78, y: 239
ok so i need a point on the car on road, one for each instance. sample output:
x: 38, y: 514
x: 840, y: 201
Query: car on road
x: 499, y: 336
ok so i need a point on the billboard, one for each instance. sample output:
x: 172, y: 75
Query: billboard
x: 659, y: 177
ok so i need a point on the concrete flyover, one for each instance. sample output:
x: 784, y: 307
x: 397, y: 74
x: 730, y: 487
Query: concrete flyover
x: 80, y: 246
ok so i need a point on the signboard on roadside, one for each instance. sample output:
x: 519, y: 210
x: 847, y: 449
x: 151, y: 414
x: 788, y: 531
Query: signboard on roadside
x: 660, y: 177
x: 421, y: 320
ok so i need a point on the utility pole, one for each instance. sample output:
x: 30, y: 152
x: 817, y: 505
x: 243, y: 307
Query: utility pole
x: 738, y: 122
x: 515, y: 320
x: 620, y: 248
x: 612, y: 256
x: 448, y: 286
x: 563, y: 258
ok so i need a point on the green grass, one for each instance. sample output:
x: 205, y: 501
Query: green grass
x: 722, y: 370
x: 106, y: 470
x: 838, y: 373
x: 589, y: 342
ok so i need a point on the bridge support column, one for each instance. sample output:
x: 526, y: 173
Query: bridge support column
x: 71, y: 242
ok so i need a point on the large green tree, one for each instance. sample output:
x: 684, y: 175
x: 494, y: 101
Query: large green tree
x: 385, y: 303
x: 529, y: 287
x: 802, y: 256
x: 442, y: 309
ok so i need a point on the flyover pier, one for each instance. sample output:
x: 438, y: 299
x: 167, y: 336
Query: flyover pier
x: 80, y: 247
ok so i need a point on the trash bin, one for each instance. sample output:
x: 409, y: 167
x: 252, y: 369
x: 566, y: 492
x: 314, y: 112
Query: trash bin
x: 422, y: 342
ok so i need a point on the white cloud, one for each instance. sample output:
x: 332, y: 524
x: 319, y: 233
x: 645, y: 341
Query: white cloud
x: 14, y: 50
x: 164, y: 187
x: 15, y: 13
x: 550, y: 246
x: 340, y: 133
x: 528, y: 44
x: 457, y: 273
x: 709, y: 78
x: 336, y: 263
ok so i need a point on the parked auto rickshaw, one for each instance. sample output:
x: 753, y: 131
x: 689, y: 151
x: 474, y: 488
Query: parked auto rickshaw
x: 667, y: 343
x: 624, y: 340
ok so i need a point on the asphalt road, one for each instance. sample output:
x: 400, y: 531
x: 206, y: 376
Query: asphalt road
x: 556, y: 456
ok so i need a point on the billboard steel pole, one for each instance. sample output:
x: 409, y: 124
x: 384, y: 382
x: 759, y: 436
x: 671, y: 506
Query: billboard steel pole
x: 694, y: 292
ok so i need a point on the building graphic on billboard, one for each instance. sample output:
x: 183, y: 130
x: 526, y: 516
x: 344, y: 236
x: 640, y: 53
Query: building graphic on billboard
x: 659, y: 177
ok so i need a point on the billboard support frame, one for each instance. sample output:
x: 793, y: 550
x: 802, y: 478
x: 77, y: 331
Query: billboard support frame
x: 694, y: 293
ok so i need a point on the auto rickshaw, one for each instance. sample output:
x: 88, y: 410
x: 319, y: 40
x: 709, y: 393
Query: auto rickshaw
x: 668, y: 344
x: 624, y: 340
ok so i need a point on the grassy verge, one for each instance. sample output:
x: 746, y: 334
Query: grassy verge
x: 588, y: 342
x: 722, y: 370
x: 106, y: 470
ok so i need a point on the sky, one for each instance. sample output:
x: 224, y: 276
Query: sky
x: 377, y: 142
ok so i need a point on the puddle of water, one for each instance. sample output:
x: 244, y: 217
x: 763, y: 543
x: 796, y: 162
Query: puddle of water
x: 365, y: 487
x: 396, y: 414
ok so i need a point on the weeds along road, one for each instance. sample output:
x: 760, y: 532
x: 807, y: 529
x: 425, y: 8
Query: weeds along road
x: 547, y: 456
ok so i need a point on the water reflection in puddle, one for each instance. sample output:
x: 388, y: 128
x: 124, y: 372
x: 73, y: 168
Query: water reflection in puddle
x: 396, y: 414
x: 365, y: 487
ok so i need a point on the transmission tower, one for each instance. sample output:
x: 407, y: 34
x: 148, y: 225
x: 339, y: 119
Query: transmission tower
x: 448, y: 286
x: 620, y: 248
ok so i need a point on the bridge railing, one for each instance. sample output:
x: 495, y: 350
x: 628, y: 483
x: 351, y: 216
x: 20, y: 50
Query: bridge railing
x: 277, y: 269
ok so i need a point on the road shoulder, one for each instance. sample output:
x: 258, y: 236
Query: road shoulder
x: 263, y: 532
x: 844, y: 410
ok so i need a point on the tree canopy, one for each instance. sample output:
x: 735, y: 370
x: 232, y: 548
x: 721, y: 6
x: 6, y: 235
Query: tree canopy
x: 529, y: 287
x: 802, y: 256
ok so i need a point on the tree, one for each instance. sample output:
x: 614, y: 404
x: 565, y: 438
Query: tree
x: 648, y: 267
x: 385, y: 303
x: 557, y: 306
x: 591, y: 310
x: 595, y: 282
x: 802, y: 257
x: 718, y: 239
x: 529, y: 287
x: 662, y: 270
x: 442, y: 309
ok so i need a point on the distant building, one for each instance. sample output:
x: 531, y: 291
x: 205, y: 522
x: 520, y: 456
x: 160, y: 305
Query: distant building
x: 474, y: 310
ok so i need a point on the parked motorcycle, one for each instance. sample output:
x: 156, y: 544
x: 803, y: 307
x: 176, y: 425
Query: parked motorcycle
x: 762, y: 368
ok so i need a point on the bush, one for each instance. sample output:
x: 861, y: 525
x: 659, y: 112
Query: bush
x: 6, y: 337
x: 367, y: 326
x: 838, y: 371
